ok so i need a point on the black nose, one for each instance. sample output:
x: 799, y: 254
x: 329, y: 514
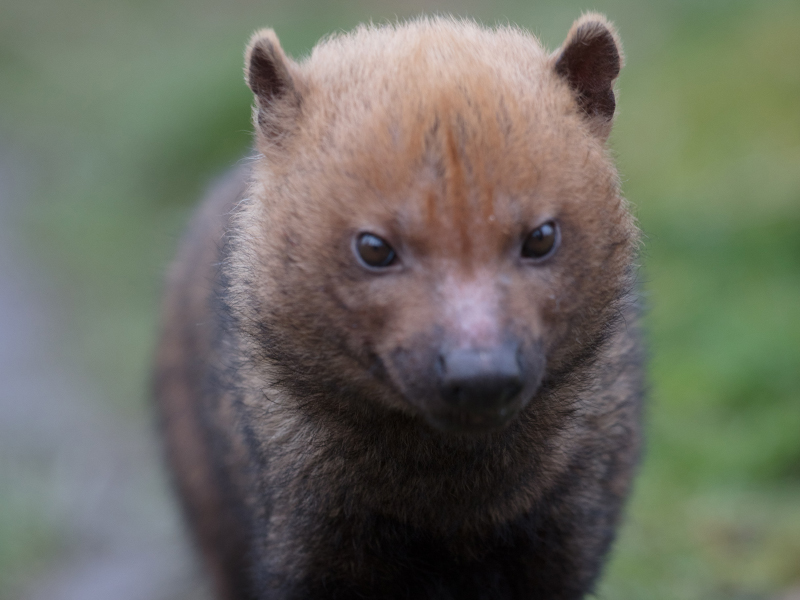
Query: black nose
x: 480, y: 379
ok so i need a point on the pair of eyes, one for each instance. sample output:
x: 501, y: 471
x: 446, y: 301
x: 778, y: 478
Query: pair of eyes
x: 376, y: 253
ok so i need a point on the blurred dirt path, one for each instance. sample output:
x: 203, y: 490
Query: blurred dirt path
x: 95, y: 476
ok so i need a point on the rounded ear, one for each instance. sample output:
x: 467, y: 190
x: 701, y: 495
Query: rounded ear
x: 589, y: 61
x: 268, y: 74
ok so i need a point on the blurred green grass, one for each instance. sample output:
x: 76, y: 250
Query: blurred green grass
x: 124, y: 112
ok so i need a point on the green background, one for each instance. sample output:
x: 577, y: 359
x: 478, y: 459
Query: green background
x: 120, y: 113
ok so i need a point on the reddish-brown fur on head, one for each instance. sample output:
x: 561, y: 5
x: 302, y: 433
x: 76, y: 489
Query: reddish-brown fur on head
x: 452, y: 143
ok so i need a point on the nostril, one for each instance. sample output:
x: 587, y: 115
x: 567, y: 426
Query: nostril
x: 483, y: 392
x: 509, y: 388
x: 455, y: 394
x: 480, y: 379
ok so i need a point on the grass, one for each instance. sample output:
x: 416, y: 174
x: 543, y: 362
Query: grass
x: 710, y: 146
x: 126, y: 111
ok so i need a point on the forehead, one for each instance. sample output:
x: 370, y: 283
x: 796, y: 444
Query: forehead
x: 399, y: 81
x: 443, y: 47
x: 447, y: 124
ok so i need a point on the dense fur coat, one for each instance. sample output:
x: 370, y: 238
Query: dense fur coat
x: 438, y: 409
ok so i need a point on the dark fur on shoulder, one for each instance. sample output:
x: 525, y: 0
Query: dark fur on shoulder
x: 323, y: 416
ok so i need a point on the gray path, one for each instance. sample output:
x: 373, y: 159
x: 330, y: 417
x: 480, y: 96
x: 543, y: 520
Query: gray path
x: 76, y: 465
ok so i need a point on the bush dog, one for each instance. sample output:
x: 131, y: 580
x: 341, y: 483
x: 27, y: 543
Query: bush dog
x: 400, y: 352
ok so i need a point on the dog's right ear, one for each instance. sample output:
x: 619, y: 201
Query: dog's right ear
x: 268, y: 73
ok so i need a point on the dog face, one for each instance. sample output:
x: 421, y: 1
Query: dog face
x: 435, y: 226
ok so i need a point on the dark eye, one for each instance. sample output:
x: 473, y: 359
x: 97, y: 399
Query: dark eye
x: 374, y: 251
x: 541, y: 241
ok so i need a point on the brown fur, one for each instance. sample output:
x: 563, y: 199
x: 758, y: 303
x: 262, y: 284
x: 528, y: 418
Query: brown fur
x: 296, y: 387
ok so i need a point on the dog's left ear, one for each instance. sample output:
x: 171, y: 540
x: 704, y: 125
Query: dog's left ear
x: 589, y: 61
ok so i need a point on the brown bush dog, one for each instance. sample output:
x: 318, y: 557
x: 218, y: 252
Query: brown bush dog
x: 400, y: 353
